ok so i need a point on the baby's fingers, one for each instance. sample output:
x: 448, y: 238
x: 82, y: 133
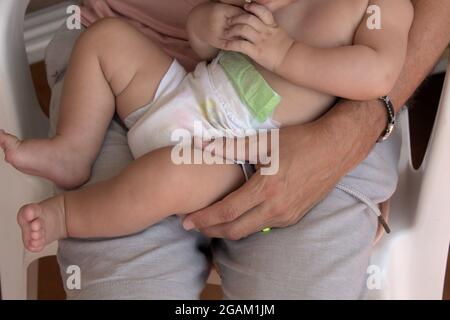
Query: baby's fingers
x: 262, y: 13
x: 242, y: 46
x: 248, y: 19
x: 243, y: 31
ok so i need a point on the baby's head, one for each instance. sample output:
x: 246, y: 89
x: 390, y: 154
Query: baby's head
x: 272, y: 5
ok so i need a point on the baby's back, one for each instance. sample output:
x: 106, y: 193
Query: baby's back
x: 319, y: 23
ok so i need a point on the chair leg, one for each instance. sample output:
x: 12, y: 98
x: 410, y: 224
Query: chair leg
x: 32, y: 280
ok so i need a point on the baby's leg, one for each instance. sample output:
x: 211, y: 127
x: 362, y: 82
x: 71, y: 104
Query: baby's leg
x: 147, y: 191
x: 112, y: 66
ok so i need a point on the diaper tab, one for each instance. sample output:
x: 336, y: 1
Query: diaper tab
x: 250, y: 85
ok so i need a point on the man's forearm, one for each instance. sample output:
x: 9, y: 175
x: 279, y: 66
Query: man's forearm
x: 355, y: 126
x: 429, y: 36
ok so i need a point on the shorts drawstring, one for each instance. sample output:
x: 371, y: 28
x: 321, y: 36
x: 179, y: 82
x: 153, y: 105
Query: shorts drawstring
x: 369, y: 203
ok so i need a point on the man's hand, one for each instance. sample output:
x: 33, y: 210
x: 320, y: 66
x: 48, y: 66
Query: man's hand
x: 315, y: 156
x: 307, y: 173
x: 256, y: 34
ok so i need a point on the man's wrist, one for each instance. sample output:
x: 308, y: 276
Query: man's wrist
x: 390, y: 124
x: 352, y: 128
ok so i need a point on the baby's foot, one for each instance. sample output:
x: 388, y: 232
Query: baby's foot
x: 42, y: 223
x: 47, y: 158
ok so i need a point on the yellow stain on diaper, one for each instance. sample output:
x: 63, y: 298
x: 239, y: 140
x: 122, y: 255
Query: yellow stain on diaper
x: 209, y: 111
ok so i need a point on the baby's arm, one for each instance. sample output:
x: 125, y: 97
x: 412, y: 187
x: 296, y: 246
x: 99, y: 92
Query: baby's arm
x: 363, y: 71
x: 206, y: 26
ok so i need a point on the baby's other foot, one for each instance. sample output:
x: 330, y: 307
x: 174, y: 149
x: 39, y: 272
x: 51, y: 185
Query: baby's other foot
x: 42, y: 223
x: 47, y: 158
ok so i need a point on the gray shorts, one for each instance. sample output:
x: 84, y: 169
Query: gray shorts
x: 324, y: 256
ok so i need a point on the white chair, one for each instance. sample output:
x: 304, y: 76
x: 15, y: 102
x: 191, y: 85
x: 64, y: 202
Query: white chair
x: 20, y: 114
x: 412, y: 259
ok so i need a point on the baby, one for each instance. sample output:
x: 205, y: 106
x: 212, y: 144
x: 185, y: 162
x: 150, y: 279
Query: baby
x: 273, y: 63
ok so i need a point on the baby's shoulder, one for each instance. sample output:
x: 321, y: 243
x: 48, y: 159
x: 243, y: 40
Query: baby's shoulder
x: 343, y: 8
x: 323, y: 23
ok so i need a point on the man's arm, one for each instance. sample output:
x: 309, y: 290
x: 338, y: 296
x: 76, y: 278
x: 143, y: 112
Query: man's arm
x: 429, y: 36
x: 364, y: 121
x: 348, y: 132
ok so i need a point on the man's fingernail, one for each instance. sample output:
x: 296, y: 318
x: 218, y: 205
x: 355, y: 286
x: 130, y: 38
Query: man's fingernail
x: 188, y: 225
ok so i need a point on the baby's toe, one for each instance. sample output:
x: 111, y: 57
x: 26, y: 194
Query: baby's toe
x: 8, y: 142
x: 37, y: 235
x: 32, y: 227
x: 26, y: 214
x: 36, y: 245
x: 36, y: 225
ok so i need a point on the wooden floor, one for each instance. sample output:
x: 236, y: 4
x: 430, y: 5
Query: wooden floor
x: 422, y: 111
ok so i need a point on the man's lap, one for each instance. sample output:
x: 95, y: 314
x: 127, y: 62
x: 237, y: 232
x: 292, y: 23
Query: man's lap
x: 161, y: 262
x: 325, y: 255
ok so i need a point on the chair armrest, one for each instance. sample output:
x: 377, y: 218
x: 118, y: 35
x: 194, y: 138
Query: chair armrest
x: 436, y: 164
x: 19, y: 110
x: 441, y: 130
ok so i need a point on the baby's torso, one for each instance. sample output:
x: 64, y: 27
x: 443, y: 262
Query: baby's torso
x: 319, y: 23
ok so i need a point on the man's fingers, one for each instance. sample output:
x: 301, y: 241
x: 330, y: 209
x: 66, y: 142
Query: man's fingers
x: 262, y: 13
x: 247, y: 19
x: 251, y: 148
x: 230, y: 208
x: 253, y: 221
x: 238, y: 149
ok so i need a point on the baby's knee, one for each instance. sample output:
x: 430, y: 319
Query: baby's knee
x: 104, y: 33
x: 107, y: 26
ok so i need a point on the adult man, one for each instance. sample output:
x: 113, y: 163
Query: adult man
x: 321, y: 255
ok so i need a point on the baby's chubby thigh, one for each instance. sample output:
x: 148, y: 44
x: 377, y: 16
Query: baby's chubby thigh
x: 164, y: 123
x: 184, y: 107
x: 132, y: 64
x: 150, y: 127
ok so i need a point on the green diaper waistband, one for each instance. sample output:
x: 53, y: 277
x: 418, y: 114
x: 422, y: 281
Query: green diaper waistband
x: 250, y: 85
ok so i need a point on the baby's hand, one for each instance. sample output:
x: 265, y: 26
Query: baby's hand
x: 257, y: 35
x: 207, y: 24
